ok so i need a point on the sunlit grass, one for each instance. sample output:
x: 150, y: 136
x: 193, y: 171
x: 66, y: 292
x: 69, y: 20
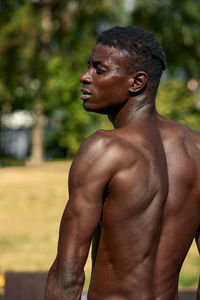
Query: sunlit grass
x: 191, y: 268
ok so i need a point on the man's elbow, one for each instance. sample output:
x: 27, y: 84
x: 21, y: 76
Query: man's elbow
x: 63, y: 285
x: 68, y: 281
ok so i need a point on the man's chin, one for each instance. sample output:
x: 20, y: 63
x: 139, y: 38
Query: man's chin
x: 91, y: 108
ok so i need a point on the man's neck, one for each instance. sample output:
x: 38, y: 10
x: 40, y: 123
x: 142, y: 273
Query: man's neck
x: 138, y: 107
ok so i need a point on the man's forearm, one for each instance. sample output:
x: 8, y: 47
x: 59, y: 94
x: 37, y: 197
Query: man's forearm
x: 63, y: 286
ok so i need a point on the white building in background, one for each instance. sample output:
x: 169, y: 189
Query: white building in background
x: 15, y: 133
x: 18, y: 119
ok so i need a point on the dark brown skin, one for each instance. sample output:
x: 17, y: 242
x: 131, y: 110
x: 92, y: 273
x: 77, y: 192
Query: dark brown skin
x: 135, y: 190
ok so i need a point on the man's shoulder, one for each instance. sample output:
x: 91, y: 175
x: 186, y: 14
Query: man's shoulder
x: 177, y: 129
x: 102, y: 142
x: 181, y: 135
x: 106, y: 145
x: 189, y: 135
x: 99, y: 139
x: 101, y: 155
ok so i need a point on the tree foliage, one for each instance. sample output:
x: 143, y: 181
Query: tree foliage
x: 176, y: 24
x: 177, y: 102
x: 45, y: 44
x: 44, y: 47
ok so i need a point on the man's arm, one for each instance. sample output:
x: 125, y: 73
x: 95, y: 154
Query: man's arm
x: 89, y: 174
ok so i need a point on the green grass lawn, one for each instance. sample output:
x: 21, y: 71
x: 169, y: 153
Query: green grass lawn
x: 32, y: 202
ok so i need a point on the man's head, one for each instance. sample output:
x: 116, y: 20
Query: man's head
x: 143, y: 51
x: 125, y: 62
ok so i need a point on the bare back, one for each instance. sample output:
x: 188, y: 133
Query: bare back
x: 182, y: 209
x: 151, y: 200
x: 132, y: 216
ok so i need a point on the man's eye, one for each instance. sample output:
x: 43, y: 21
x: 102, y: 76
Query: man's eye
x: 99, y: 70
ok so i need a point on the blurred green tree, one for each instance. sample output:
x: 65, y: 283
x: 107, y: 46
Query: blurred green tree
x: 44, y: 46
x: 176, y: 24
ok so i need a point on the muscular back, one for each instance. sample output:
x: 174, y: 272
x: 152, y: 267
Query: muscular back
x: 132, y: 216
x: 151, y: 213
x: 182, y: 208
x: 140, y: 184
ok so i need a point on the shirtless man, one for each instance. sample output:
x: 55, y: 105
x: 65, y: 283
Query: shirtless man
x: 134, y: 190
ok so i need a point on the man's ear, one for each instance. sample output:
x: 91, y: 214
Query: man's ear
x: 138, y: 82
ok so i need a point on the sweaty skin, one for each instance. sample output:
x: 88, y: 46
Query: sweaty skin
x: 134, y: 190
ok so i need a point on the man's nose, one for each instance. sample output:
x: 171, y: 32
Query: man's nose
x: 86, y: 77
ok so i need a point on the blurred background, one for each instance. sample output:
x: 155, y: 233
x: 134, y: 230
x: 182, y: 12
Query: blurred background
x: 44, y: 47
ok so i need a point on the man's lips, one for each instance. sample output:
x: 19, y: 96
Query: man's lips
x: 86, y: 94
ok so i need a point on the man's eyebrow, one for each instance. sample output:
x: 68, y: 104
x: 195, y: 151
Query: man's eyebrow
x: 96, y: 62
x: 93, y: 61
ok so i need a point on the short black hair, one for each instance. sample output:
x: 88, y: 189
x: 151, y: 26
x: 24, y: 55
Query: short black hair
x: 144, y: 50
